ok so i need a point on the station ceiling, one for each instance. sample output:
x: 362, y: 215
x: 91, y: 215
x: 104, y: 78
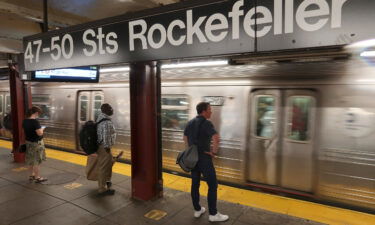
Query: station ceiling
x: 19, y: 18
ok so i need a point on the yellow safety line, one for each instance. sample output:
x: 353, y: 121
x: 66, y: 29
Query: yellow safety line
x: 293, y: 207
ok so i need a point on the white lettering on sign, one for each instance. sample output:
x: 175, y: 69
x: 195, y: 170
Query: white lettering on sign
x: 216, y: 26
x: 254, y: 22
x: 303, y: 13
x: 235, y: 15
x: 163, y: 36
x: 140, y: 35
x: 97, y: 45
x: 181, y: 25
x: 337, y: 13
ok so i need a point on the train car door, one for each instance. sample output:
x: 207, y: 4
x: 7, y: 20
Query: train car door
x: 298, y: 139
x: 264, y: 135
x: 281, y: 138
x: 89, y: 103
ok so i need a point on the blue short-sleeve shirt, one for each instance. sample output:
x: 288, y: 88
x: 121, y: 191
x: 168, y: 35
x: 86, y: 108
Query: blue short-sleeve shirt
x: 206, y: 131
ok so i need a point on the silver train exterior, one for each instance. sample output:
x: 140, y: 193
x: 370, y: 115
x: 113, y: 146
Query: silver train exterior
x: 304, y: 127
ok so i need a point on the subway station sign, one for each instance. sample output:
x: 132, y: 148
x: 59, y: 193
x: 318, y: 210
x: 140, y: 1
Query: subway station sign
x: 210, y: 28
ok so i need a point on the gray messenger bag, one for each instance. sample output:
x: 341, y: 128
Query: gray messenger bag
x: 188, y: 158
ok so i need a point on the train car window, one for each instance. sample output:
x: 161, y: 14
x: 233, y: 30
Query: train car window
x: 174, y: 100
x: 7, y: 104
x: 43, y: 101
x: 175, y: 111
x: 214, y: 100
x: 41, y: 98
x: 98, y: 101
x: 298, y: 117
x: 266, y: 116
x: 83, y: 111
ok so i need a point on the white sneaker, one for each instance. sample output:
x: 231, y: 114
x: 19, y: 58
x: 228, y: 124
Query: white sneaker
x: 218, y: 217
x: 197, y: 214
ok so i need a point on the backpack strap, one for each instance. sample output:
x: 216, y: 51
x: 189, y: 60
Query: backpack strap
x: 104, y: 119
x: 197, y: 132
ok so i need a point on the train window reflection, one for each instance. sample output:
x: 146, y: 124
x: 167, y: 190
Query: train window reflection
x: 43, y: 102
x: 98, y: 101
x: 265, y: 111
x: 7, y: 104
x: 40, y: 98
x: 45, y: 111
x: 298, y: 117
x: 1, y: 105
x: 83, y: 102
x: 175, y: 111
x: 174, y: 101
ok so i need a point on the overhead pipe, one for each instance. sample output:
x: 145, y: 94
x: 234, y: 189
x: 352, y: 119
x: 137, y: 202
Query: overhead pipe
x: 45, y: 16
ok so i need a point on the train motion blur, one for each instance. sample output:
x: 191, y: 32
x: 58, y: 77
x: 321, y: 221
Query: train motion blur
x: 303, y: 127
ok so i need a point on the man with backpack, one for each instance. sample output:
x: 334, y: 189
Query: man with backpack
x: 200, y: 131
x: 106, y: 139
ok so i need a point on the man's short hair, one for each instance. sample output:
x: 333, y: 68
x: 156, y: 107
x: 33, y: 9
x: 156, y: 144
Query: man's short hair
x: 202, y: 106
x: 107, y: 109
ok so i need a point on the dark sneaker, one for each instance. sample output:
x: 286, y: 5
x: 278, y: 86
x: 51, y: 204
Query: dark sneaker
x: 109, y: 184
x: 107, y: 192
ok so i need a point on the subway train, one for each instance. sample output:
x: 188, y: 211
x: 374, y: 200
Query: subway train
x: 305, y: 127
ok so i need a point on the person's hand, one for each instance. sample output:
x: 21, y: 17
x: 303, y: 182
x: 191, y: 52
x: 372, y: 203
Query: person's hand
x: 210, y: 154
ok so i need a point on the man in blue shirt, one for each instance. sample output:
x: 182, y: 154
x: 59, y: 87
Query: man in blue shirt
x: 201, y: 131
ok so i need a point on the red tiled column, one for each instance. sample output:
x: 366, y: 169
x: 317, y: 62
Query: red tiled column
x: 145, y: 135
x: 17, y: 95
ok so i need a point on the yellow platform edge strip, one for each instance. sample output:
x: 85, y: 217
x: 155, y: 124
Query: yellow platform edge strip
x: 278, y: 204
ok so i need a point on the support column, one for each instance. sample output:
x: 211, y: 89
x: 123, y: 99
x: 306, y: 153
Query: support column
x: 17, y: 96
x: 145, y: 131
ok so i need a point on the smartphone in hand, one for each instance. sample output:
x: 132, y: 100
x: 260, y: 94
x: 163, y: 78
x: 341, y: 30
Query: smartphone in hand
x: 44, y: 127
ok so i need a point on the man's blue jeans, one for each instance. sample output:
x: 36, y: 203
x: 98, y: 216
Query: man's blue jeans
x: 205, y: 167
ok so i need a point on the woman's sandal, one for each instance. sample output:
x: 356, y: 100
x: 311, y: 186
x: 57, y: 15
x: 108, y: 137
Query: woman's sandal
x: 40, y: 179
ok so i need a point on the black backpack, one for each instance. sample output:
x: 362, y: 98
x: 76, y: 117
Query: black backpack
x: 7, y: 122
x: 88, y: 137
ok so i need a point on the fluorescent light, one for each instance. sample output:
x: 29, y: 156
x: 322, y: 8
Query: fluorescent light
x: 365, y: 80
x: 115, y: 69
x: 195, y: 64
x: 368, y: 54
x: 169, y: 66
x: 363, y: 44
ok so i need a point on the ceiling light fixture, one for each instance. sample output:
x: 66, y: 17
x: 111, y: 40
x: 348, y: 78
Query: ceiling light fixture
x: 368, y: 54
x: 114, y: 69
x: 169, y: 66
x: 195, y: 64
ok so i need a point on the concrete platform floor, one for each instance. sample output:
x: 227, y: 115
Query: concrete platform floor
x: 68, y: 198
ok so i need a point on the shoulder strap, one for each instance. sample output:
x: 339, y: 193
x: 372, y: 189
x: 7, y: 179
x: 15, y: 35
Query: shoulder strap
x: 104, y: 119
x: 199, y: 128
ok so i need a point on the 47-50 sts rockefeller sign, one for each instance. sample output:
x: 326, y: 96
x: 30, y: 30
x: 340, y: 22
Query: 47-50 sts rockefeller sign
x: 213, y: 28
